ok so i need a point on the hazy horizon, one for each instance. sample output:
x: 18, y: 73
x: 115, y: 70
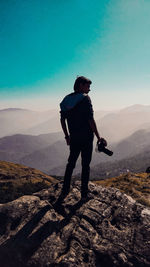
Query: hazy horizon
x: 57, y: 108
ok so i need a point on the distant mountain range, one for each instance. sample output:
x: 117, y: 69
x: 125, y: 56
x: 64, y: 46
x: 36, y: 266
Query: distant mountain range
x: 16, y: 147
x: 137, y: 143
x: 127, y: 132
x: 47, y: 158
x: 22, y: 121
x: 114, y: 126
x: 49, y: 152
x: 137, y: 163
x: 119, y: 125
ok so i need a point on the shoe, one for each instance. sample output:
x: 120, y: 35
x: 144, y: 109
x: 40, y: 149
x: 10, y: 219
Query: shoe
x: 62, y: 196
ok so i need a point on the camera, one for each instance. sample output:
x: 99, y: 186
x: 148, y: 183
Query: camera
x: 101, y: 147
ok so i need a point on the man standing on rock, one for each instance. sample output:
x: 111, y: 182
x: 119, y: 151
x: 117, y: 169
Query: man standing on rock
x: 77, y: 109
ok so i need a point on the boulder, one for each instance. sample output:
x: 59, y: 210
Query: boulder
x: 108, y: 229
x: 148, y: 170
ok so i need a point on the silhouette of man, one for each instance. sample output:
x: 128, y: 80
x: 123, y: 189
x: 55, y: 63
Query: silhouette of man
x: 76, y: 109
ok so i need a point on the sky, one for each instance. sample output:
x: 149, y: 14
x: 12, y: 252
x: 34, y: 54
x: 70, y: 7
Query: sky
x: 44, y: 45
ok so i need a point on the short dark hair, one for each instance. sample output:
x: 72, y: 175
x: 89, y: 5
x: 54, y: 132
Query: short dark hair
x: 80, y: 79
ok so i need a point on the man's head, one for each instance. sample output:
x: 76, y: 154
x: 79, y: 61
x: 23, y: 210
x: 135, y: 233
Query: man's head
x: 82, y: 85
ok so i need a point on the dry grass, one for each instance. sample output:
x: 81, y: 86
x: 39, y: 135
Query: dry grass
x: 17, y: 180
x: 135, y: 185
x: 9, y: 170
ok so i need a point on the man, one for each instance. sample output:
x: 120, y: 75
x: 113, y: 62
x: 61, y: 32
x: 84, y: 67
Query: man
x: 76, y: 109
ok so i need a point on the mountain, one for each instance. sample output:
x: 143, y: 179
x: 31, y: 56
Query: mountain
x: 46, y: 151
x: 17, y: 180
x: 51, y: 138
x: 137, y: 163
x: 13, y: 148
x: 14, y: 121
x: 51, y: 125
x: 22, y: 121
x: 137, y: 143
x: 114, y: 126
x: 109, y: 229
x: 49, y: 152
x: 118, y: 126
x: 51, y: 156
x: 136, y: 108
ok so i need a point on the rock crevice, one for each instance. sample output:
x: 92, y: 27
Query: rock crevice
x: 108, y: 229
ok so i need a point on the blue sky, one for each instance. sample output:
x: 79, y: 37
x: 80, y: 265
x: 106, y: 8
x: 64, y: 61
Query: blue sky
x: 44, y: 45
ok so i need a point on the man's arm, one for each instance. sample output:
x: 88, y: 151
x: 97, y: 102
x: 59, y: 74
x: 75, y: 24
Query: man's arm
x: 94, y: 129
x: 91, y: 120
x: 64, y: 127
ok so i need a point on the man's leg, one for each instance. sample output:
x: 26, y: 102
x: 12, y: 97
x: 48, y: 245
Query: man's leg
x: 86, y: 155
x: 74, y: 154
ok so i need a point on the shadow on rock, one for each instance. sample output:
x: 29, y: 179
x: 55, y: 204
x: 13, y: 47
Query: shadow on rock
x: 27, y: 241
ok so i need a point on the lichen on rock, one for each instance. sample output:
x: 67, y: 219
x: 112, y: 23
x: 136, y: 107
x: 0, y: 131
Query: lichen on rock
x: 108, y: 229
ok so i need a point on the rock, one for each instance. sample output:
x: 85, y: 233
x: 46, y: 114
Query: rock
x: 148, y: 170
x: 108, y: 229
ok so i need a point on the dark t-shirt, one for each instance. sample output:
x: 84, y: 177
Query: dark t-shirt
x: 78, y: 118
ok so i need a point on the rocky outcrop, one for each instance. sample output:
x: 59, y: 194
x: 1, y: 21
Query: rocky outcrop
x: 108, y: 229
x: 148, y: 170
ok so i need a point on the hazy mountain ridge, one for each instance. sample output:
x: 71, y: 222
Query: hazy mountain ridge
x: 53, y: 155
x: 126, y: 153
x: 51, y: 125
x: 34, y: 151
x: 33, y: 122
x: 12, y: 121
x: 138, y: 142
x: 13, y: 109
x: 136, y: 108
x: 18, y: 121
x: 49, y: 152
x: 118, y: 126
x: 114, y: 126
x: 137, y: 163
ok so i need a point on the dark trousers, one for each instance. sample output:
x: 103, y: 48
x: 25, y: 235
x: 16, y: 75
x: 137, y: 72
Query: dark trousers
x: 77, y: 145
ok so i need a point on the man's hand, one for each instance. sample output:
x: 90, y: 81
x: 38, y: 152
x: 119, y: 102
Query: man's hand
x: 67, y: 140
x: 102, y: 140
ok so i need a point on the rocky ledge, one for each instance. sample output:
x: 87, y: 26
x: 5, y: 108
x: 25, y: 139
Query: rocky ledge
x: 108, y: 229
